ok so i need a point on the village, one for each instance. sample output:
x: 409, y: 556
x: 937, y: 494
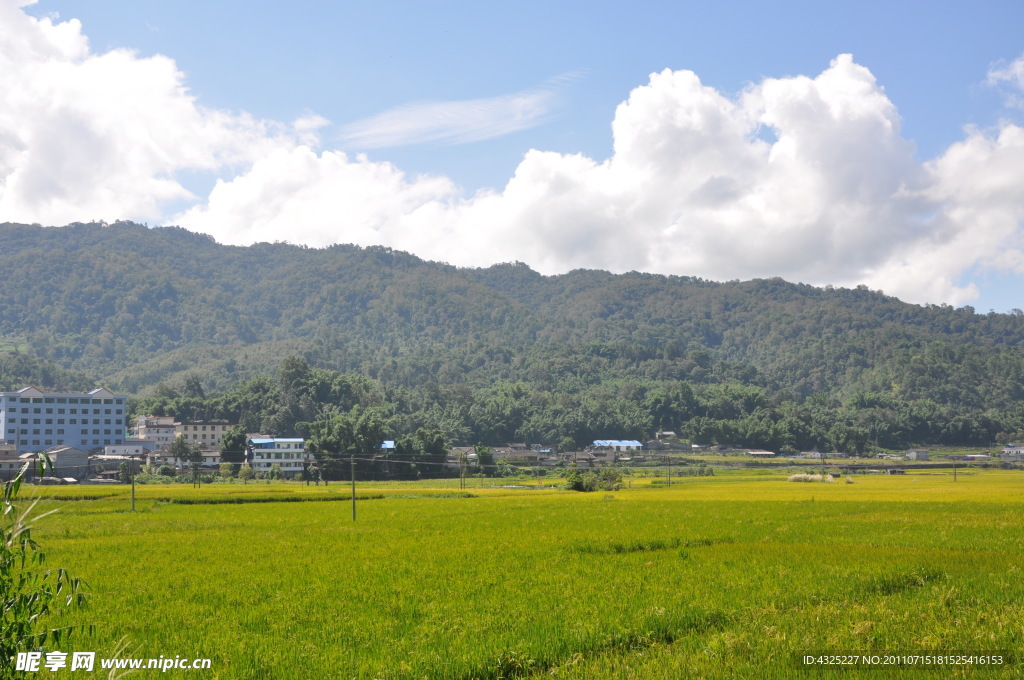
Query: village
x: 89, y: 438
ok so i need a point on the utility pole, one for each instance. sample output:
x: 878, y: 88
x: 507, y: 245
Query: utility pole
x: 131, y: 471
x: 353, y: 486
x: 669, y: 471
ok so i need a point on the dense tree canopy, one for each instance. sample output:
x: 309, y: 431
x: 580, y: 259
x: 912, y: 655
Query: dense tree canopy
x: 279, y: 338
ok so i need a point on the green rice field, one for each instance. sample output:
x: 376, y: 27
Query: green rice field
x: 736, y: 575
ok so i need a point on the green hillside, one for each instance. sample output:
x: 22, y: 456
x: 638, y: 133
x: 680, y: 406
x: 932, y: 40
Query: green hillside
x: 766, y: 361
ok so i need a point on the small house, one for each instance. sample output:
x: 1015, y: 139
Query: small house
x: 1013, y: 453
x: 917, y: 454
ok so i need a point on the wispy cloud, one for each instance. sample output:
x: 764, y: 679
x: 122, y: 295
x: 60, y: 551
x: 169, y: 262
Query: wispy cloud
x: 455, y: 122
x: 1001, y: 73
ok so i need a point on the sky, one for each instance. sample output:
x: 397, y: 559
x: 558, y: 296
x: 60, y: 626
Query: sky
x: 867, y: 143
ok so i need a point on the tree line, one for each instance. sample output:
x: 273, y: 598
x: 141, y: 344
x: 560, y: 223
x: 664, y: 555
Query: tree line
x: 347, y: 416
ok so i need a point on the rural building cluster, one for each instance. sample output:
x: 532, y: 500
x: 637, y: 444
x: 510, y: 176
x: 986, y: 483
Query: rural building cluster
x: 89, y: 435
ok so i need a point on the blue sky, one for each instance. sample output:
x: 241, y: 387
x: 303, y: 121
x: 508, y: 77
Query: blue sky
x: 273, y: 105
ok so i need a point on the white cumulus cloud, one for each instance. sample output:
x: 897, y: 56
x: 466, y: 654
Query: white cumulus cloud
x: 805, y: 177
x: 88, y: 136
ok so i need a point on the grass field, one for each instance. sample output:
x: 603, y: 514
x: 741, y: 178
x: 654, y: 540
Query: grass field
x: 714, y: 577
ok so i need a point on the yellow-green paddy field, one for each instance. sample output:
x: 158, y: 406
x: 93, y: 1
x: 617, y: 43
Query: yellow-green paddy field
x: 739, y: 575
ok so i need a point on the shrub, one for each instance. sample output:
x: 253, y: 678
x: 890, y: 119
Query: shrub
x: 577, y: 481
x: 29, y: 591
x: 804, y: 477
x: 609, y: 480
x: 166, y: 471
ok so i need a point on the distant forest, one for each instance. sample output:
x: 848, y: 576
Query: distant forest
x: 280, y: 337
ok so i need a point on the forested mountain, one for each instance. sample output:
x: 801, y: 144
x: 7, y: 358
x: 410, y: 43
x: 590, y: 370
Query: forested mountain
x: 550, y: 358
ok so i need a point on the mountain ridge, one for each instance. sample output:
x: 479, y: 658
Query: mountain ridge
x: 142, y: 309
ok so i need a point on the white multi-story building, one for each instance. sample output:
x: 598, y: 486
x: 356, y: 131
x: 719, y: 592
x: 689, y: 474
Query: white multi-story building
x: 289, y: 453
x: 160, y: 429
x: 164, y: 429
x: 34, y: 420
x: 201, y: 433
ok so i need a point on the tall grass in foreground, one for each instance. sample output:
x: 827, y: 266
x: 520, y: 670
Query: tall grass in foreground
x: 713, y: 578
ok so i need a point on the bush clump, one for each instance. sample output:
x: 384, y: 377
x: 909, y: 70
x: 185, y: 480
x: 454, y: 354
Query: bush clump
x: 607, y: 480
x: 804, y: 477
